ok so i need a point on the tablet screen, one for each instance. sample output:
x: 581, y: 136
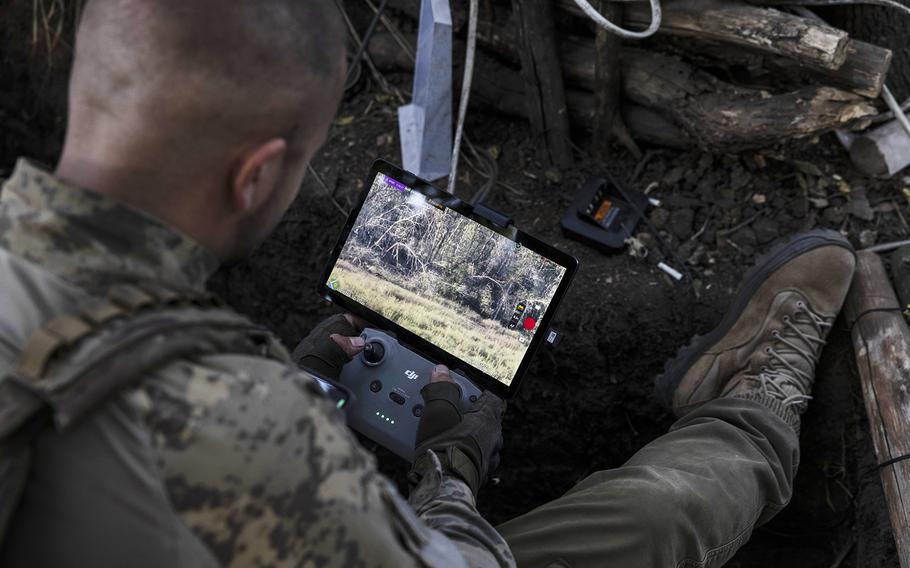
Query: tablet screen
x: 461, y: 286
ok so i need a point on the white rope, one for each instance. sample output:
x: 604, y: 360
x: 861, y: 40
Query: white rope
x: 888, y: 96
x: 886, y: 116
x: 592, y: 13
x: 465, y: 92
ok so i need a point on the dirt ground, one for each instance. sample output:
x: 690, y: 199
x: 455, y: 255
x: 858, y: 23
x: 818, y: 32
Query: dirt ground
x: 586, y: 404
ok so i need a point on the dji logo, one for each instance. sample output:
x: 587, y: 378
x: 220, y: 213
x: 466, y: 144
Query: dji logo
x: 411, y: 375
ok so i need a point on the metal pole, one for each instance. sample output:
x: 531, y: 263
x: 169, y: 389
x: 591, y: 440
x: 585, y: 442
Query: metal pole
x: 425, y: 125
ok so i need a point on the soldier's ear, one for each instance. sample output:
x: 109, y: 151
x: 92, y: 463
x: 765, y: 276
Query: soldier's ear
x: 257, y: 174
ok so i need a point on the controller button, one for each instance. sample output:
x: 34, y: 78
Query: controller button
x: 473, y: 398
x: 417, y: 410
x: 396, y: 397
x: 376, y: 386
x: 373, y: 352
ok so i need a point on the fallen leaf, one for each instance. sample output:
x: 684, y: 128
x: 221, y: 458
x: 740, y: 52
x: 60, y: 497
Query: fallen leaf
x: 860, y: 208
x: 637, y: 249
x: 867, y: 238
x: 553, y: 175
x: 807, y: 168
x: 885, y: 207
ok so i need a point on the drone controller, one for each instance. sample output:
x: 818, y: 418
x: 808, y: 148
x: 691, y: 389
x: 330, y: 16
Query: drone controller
x: 385, y: 380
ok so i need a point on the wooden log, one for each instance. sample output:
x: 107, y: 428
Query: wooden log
x: 764, y: 29
x: 607, y: 74
x: 544, y: 92
x: 863, y: 69
x: 722, y: 117
x: 653, y: 128
x: 883, y: 26
x: 863, y: 72
x: 881, y: 341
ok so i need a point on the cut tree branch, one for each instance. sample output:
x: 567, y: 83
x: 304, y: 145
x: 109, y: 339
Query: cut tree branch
x: 766, y: 30
x: 544, y: 92
x: 608, y: 49
x: 881, y: 341
x: 763, y: 29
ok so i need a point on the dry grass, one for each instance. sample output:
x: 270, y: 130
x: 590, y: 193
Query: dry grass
x: 486, y: 345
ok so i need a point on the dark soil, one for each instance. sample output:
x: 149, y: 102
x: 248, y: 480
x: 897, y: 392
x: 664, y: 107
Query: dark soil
x: 587, y: 404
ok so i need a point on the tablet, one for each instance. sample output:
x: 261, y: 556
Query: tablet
x: 450, y: 283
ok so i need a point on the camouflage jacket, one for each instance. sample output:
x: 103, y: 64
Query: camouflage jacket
x: 219, y: 460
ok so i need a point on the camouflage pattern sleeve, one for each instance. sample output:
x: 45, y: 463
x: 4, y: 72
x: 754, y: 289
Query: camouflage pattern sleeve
x: 446, y: 504
x: 260, y: 465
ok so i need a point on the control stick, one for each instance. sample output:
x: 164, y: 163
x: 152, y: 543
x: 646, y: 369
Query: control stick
x: 373, y: 352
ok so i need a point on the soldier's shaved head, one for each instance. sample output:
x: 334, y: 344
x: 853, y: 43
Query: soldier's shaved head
x: 197, y: 101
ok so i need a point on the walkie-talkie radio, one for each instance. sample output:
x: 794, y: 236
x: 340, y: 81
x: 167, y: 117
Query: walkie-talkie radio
x: 603, y: 214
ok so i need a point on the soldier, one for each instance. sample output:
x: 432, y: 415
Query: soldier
x: 190, y: 127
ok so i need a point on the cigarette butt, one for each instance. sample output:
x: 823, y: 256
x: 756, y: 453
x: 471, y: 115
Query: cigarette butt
x: 654, y: 202
x: 670, y: 270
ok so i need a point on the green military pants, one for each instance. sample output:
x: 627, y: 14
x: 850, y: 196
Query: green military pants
x: 688, y: 499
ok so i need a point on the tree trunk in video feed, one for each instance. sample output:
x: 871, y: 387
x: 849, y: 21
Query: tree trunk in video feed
x: 446, y: 278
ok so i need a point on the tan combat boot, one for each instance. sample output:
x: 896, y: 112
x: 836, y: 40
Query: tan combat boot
x: 769, y: 341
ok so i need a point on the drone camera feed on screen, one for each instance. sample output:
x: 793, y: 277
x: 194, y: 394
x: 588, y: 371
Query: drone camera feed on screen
x: 448, y: 279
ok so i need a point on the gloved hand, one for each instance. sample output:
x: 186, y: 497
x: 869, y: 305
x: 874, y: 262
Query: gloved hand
x: 467, y: 444
x: 330, y: 345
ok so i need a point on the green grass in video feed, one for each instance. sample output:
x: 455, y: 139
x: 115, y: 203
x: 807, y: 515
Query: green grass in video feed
x: 486, y: 345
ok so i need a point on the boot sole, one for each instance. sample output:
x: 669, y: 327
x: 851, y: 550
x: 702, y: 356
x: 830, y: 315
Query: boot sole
x: 675, y: 369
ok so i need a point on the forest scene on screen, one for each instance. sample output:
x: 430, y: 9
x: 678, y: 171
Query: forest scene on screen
x: 455, y: 283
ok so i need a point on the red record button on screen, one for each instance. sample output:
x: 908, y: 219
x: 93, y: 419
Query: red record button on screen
x: 529, y: 323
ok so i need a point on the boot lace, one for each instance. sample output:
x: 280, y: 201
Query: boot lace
x: 801, y: 339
